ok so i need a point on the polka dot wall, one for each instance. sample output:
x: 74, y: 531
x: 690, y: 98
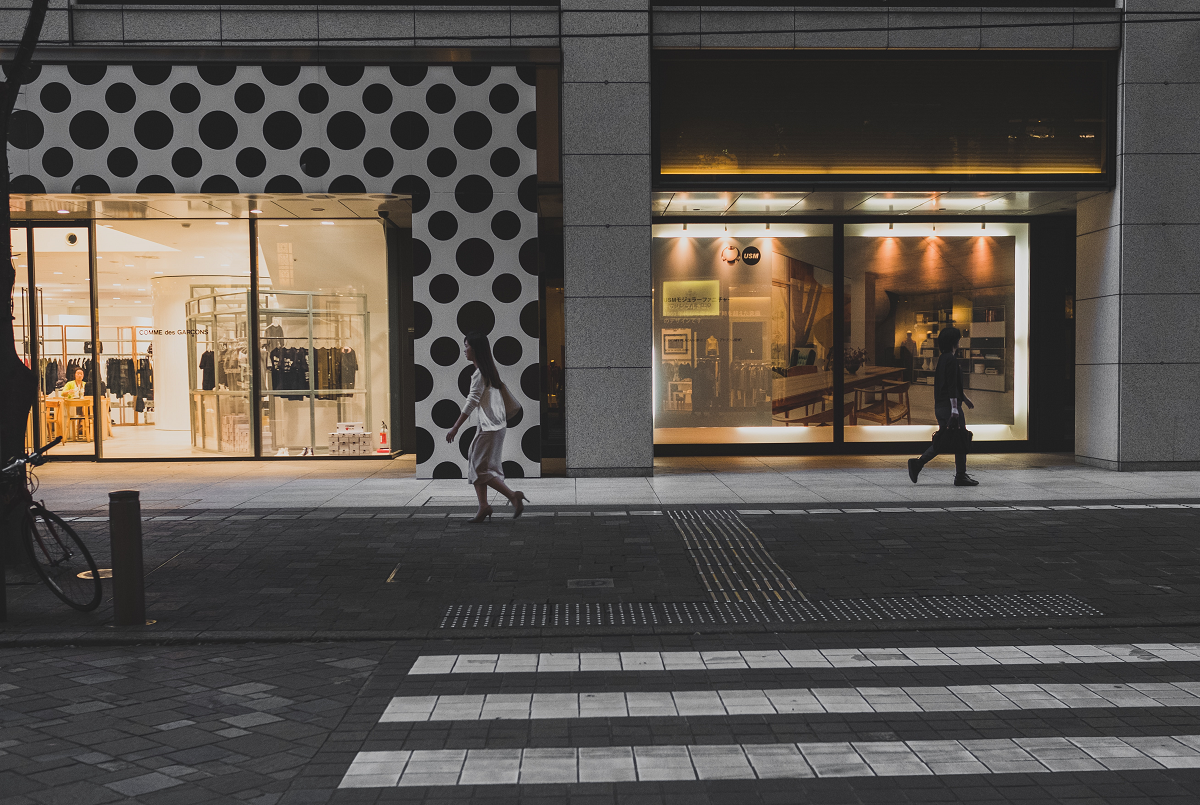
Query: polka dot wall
x: 460, y: 140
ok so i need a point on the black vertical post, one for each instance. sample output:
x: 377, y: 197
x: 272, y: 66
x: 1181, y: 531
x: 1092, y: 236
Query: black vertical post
x: 128, y: 572
x: 839, y: 332
x: 98, y: 420
x: 252, y: 347
x: 34, y: 334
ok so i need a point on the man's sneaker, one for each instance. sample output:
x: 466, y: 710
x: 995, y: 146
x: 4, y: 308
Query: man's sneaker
x: 914, y: 468
x: 965, y: 480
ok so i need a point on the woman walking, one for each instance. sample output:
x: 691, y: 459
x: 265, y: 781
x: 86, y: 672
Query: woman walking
x: 488, y: 395
x: 947, y: 395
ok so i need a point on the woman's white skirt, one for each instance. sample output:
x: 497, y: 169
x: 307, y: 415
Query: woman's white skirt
x: 483, y: 458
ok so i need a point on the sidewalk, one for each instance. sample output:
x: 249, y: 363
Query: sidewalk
x: 1004, y: 478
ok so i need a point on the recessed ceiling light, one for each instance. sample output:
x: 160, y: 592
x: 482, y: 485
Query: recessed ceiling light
x: 116, y: 285
x: 257, y: 211
x: 222, y: 223
x: 62, y: 212
x: 157, y: 272
x: 57, y: 272
x: 283, y: 224
x: 199, y: 257
x: 129, y: 265
x: 327, y: 223
x: 117, y: 298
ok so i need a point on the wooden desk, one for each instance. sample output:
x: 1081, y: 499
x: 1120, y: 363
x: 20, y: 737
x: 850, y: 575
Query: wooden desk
x: 790, y: 393
x: 63, y: 408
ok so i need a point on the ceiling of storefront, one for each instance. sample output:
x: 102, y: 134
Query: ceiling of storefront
x: 201, y: 205
x: 759, y: 205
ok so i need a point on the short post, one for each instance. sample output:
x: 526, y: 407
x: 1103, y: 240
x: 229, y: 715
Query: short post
x: 128, y: 574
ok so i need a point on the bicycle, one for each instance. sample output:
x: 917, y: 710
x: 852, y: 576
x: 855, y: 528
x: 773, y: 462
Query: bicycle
x: 57, y: 554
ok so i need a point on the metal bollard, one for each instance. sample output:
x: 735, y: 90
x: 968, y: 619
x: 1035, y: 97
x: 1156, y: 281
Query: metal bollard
x: 128, y: 573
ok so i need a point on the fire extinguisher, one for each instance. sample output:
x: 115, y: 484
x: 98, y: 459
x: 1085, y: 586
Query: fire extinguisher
x: 383, y: 442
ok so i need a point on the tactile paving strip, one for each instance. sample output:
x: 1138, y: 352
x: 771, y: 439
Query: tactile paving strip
x: 917, y: 608
x: 730, y: 559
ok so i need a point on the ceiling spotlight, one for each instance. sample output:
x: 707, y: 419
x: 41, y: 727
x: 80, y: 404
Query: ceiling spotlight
x: 685, y: 227
x: 256, y: 211
x: 983, y: 225
x: 891, y: 225
x: 62, y: 212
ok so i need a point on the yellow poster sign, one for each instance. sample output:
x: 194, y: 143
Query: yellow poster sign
x: 692, y: 298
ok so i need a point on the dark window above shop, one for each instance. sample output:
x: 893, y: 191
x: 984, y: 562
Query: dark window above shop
x: 903, y: 121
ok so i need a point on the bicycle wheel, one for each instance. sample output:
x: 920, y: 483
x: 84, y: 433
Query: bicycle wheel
x: 59, y: 557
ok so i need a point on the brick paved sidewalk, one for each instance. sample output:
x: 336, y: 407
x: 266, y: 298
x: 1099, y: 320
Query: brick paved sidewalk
x: 304, y: 574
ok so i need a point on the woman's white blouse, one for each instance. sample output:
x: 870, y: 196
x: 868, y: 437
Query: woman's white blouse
x: 489, y: 401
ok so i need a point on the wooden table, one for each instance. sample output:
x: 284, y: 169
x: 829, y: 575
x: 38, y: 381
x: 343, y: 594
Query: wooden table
x: 790, y: 393
x: 62, y: 408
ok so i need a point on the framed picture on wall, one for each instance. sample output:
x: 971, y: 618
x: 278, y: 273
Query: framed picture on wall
x: 677, y: 344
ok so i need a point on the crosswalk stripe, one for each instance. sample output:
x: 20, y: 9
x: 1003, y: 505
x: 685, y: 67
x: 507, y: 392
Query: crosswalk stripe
x: 925, y: 699
x: 566, y: 662
x: 534, y: 766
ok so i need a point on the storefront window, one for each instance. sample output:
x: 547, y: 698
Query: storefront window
x: 323, y: 331
x: 743, y: 332
x: 904, y: 284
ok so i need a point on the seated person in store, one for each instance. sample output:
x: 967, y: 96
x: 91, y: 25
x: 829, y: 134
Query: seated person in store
x: 77, y: 388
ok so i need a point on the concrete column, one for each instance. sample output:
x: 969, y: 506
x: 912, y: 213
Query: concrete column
x: 1138, y: 294
x: 606, y: 232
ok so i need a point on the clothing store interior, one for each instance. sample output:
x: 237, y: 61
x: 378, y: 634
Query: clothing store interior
x: 744, y: 339
x: 173, y: 337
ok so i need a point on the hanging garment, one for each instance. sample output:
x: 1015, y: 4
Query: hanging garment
x: 208, y: 371
x: 347, y: 367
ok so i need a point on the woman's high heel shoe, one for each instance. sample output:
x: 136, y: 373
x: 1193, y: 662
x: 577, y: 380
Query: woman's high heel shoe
x: 518, y: 502
x: 484, y: 514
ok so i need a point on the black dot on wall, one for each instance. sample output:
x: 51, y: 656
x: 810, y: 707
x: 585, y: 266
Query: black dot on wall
x: 409, y: 131
x: 422, y: 320
x: 32, y: 73
x: 464, y: 440
x: 249, y: 98
x: 57, y: 162
x: 528, y: 256
x: 251, y: 162
x: 447, y: 470
x: 421, y: 257
x: 424, y: 445
x: 503, y: 98
x: 344, y: 75
x: 87, y: 73
x: 218, y: 184
x: 185, y: 98
x: 444, y: 351
x: 511, y: 468
x: 314, y: 98
x: 464, y: 379
x: 89, y: 184
x: 25, y: 129
x: 506, y: 225
x: 186, y: 162
x: 378, y: 162
x: 441, y: 162
x: 527, y: 130
x: 88, y: 129
x: 282, y: 130
x: 122, y: 162
x: 416, y: 188
x: 152, y: 74
x: 476, y: 316
x: 527, y: 193
x: 120, y: 98
x: 218, y: 130
x: 513, y: 421
x: 347, y: 184
x: 507, y: 350
x: 443, y: 225
x: 55, y: 97
x: 440, y: 99
x: 443, y: 288
x: 530, y: 320
x: 473, y: 194
x: 409, y: 74
x: 528, y: 74
x: 283, y: 184
x: 26, y: 184
x: 346, y: 130
x: 474, y: 257
x: 155, y: 184
x: 506, y: 288
x: 314, y: 162
x: 531, y: 443
x: 472, y: 74
x: 531, y: 381
x: 472, y: 130
x: 217, y: 74
x: 377, y: 99
x: 422, y: 382
x: 505, y: 162
x: 281, y: 74
x: 153, y: 130
x: 445, y: 413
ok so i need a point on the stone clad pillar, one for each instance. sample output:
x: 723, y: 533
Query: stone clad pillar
x: 606, y: 232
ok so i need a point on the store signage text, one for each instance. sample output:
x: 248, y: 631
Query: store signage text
x: 692, y: 298
x: 151, y: 332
